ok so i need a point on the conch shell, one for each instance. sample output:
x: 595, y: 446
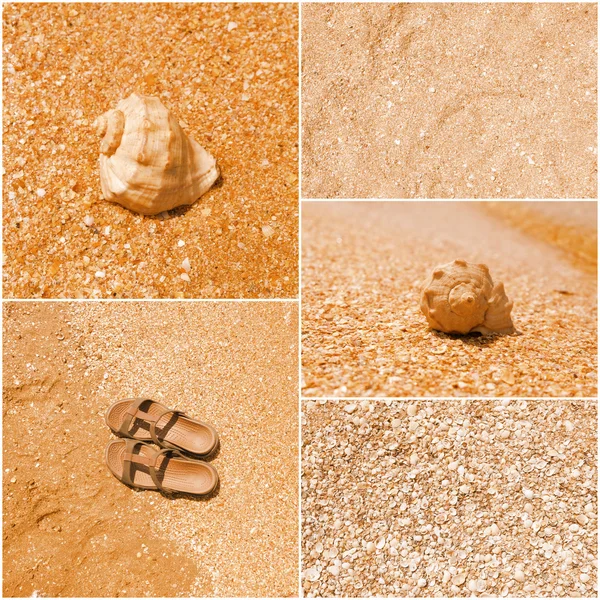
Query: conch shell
x: 461, y: 297
x: 147, y: 163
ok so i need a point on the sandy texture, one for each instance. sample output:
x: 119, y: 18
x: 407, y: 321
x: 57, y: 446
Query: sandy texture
x: 456, y: 100
x: 363, y: 330
x: 449, y: 498
x: 70, y: 528
x: 229, y: 72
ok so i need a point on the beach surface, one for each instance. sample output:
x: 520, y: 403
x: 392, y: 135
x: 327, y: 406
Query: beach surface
x: 229, y: 74
x: 450, y: 100
x: 70, y: 528
x: 363, y: 333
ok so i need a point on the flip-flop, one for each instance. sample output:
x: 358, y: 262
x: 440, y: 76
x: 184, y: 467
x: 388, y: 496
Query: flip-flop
x: 147, y: 420
x: 142, y: 466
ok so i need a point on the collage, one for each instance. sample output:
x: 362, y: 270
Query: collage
x: 300, y: 299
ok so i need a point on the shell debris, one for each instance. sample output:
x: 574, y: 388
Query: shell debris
x: 442, y: 511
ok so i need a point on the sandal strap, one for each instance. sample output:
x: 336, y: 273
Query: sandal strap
x: 167, y: 452
x: 135, y: 412
x: 130, y: 459
x: 163, y: 443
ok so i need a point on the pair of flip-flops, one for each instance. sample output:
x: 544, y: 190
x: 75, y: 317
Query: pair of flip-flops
x: 172, y: 468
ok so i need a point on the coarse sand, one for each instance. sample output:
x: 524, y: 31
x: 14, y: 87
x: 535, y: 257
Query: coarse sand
x: 456, y: 498
x: 228, y: 72
x: 70, y: 528
x: 363, y: 333
x: 449, y: 100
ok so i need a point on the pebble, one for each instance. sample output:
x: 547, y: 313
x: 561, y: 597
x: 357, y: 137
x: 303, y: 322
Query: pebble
x: 267, y: 231
x: 412, y: 409
x: 181, y: 243
x: 99, y: 274
x: 519, y: 576
x: 312, y: 574
x: 494, y: 529
x: 573, y: 528
x: 350, y: 408
x: 528, y: 494
x: 371, y: 547
x: 396, y: 423
x: 139, y: 555
x: 582, y: 519
x: 414, y: 459
x: 459, y: 578
x: 334, y: 570
x: 185, y: 265
x: 422, y: 582
x: 584, y: 577
x: 88, y: 221
x: 13, y: 480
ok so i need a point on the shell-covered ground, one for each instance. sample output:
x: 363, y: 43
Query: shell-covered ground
x: 363, y: 333
x: 70, y: 528
x: 449, y: 100
x: 228, y: 72
x: 455, y: 498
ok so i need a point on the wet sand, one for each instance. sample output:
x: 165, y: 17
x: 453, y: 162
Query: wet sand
x: 70, y: 528
x: 363, y: 333
x: 452, y: 100
x: 228, y: 72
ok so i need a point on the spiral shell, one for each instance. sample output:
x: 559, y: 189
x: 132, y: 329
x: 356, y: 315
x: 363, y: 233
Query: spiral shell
x: 461, y: 297
x: 147, y: 163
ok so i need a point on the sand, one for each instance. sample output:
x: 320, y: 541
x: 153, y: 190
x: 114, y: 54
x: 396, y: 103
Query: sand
x: 456, y: 100
x: 363, y: 333
x: 450, y: 498
x: 70, y: 528
x: 229, y: 72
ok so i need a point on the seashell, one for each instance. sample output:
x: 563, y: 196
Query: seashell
x: 147, y: 163
x: 461, y: 297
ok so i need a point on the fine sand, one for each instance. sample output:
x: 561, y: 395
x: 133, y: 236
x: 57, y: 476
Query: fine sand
x: 70, y: 528
x: 228, y: 72
x: 450, y: 498
x: 363, y: 330
x: 452, y: 100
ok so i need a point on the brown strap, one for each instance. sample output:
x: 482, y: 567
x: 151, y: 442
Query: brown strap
x: 167, y: 452
x: 135, y: 412
x: 162, y: 442
x: 132, y: 459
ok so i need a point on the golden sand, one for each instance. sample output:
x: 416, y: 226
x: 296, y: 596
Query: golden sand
x: 229, y: 72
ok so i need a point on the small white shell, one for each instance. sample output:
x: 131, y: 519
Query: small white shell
x: 147, y: 163
x: 461, y: 297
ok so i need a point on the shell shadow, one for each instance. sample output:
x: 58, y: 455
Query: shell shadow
x: 180, y: 211
x: 474, y: 338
